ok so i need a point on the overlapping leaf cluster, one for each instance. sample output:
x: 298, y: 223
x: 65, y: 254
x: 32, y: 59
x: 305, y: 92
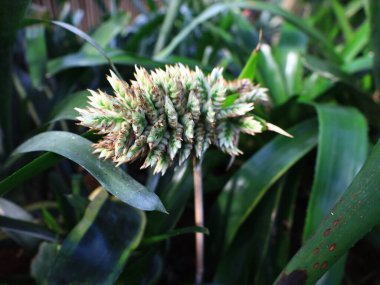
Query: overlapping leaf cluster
x: 169, y: 113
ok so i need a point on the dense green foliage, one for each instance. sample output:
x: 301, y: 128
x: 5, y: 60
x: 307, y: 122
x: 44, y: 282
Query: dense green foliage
x: 287, y: 211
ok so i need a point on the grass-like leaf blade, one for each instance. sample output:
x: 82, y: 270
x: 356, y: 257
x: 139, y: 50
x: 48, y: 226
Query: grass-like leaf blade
x: 115, y: 180
x: 354, y: 215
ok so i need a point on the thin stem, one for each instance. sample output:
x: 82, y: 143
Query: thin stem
x: 199, y: 219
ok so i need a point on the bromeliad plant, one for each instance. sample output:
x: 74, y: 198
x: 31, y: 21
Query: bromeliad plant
x: 169, y: 113
x: 165, y: 114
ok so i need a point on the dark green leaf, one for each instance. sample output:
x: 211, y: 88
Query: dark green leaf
x: 41, y: 264
x: 28, y: 171
x: 11, y: 210
x: 115, y: 180
x: 106, y: 32
x: 246, y: 255
x: 11, y: 15
x: 36, y: 54
x: 374, y: 20
x: 79, y: 33
x: 218, y: 8
x: 65, y: 110
x: 249, y: 184
x: 97, y: 249
x: 342, y: 150
x: 356, y: 213
x: 85, y: 60
x: 328, y: 69
x: 26, y: 228
x: 188, y: 230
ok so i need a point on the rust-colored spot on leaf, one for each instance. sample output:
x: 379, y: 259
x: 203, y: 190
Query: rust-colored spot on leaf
x: 336, y: 222
x: 315, y: 250
x: 332, y: 247
x: 297, y: 277
x: 324, y: 265
x: 327, y: 232
x: 316, y: 265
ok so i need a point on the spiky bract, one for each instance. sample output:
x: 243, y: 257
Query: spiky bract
x: 165, y: 114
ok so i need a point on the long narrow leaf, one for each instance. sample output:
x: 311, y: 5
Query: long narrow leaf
x: 170, y: 16
x: 216, y: 9
x: 78, y: 149
x: 374, y: 20
x: 97, y: 249
x: 248, y: 185
x: 355, y: 214
x: 77, y: 32
x: 26, y: 228
x: 342, y: 150
x: 106, y: 32
x: 11, y: 14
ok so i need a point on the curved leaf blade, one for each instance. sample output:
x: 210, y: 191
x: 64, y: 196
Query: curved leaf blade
x: 248, y: 185
x: 342, y: 150
x: 356, y: 213
x: 94, y: 252
x: 216, y: 9
x: 78, y: 149
x: 65, y: 110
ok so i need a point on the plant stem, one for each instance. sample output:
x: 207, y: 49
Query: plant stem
x: 199, y: 219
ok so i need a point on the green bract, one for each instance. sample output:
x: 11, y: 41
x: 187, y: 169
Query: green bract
x: 169, y: 113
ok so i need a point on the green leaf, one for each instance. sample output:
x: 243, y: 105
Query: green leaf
x: 26, y: 228
x: 249, y: 69
x: 358, y: 42
x: 79, y: 59
x: 219, y: 8
x: 11, y: 15
x: 106, y: 32
x: 271, y: 76
x: 249, y: 184
x: 328, y: 69
x: 175, y: 195
x: 170, y: 17
x: 65, y: 109
x: 355, y: 214
x: 79, y: 149
x: 36, y: 54
x: 12, y: 210
x: 342, y: 150
x: 77, y: 32
x: 28, y: 171
x: 97, y: 249
x: 188, y: 230
x: 342, y: 19
x: 42, y: 262
x: 248, y: 72
x: 374, y: 20
x: 245, y: 257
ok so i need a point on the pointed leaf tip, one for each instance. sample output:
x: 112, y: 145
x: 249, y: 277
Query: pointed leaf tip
x: 278, y: 130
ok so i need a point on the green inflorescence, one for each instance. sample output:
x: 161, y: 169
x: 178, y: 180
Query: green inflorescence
x: 165, y: 114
